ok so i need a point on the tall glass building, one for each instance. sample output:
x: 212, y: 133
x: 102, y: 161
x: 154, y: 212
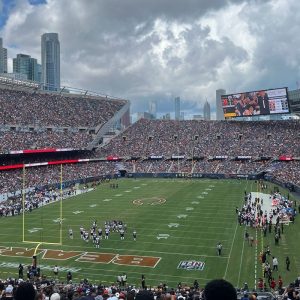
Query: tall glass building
x: 177, y: 108
x: 50, y: 61
x: 219, y: 110
x: 206, y: 111
x: 25, y: 64
x: 3, y: 58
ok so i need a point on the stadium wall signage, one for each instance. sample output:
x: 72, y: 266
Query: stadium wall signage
x: 178, y: 156
x: 112, y: 158
x: 244, y: 157
x: 79, y: 256
x: 45, y: 150
x: 57, y: 162
x: 285, y: 158
x: 191, y: 265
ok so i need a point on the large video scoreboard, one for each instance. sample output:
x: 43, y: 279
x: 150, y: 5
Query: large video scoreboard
x: 263, y: 102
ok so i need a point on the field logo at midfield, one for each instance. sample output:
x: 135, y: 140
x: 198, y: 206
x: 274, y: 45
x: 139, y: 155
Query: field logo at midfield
x: 191, y: 265
x: 149, y: 201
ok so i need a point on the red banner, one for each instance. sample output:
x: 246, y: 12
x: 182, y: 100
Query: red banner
x: 285, y: 158
x: 45, y: 150
x: 112, y: 157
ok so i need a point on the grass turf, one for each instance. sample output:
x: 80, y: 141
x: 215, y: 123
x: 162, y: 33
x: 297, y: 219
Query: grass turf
x: 211, y: 218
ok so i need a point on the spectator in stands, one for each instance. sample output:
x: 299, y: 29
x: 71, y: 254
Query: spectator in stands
x: 8, y: 295
x: 219, y: 289
x: 42, y: 120
x: 25, y: 291
x: 55, y: 296
x: 144, y: 295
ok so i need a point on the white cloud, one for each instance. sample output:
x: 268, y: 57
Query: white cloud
x: 165, y: 47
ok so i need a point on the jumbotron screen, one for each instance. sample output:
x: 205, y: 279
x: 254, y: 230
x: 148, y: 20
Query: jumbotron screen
x: 263, y: 102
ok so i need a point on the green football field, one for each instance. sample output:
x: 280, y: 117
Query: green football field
x: 176, y: 221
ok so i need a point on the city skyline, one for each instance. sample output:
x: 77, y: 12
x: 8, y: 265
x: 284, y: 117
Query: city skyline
x: 25, y: 67
x: 151, y: 52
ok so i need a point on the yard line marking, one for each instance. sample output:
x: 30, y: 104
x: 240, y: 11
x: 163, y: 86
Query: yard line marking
x: 141, y: 231
x: 255, y: 259
x: 241, y: 262
x: 230, y: 251
x: 170, y: 225
x: 133, y: 272
x: 147, y: 251
x: 189, y: 208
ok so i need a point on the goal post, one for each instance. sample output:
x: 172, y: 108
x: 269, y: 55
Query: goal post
x: 60, y: 235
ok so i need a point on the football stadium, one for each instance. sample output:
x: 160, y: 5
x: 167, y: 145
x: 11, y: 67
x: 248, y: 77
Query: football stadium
x: 94, y: 206
x: 174, y: 201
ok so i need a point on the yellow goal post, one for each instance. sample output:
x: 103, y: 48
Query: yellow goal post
x: 38, y: 243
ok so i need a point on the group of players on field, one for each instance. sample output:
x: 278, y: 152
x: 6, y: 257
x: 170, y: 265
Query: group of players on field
x: 96, y: 234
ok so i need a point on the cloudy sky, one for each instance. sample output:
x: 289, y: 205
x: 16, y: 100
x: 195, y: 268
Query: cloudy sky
x: 157, y: 49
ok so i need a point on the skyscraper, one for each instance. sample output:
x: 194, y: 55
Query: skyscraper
x: 206, y: 111
x: 219, y: 110
x: 3, y: 58
x: 50, y: 61
x: 177, y: 108
x: 153, y: 108
x: 25, y: 64
x: 39, y: 73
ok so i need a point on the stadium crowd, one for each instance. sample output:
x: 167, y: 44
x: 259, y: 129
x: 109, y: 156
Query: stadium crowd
x: 31, y: 108
x: 13, y: 141
x: 30, y: 119
x: 215, y: 145
x: 12, y: 180
x: 44, y: 288
x: 207, y: 138
x: 287, y: 172
x: 34, y: 199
